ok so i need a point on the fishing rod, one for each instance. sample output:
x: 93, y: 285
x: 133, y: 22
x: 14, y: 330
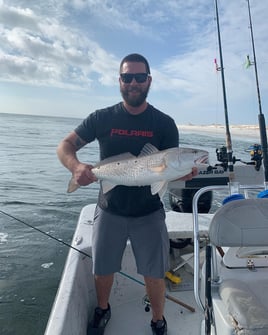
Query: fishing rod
x: 46, y: 234
x: 262, y: 126
x: 167, y: 296
x: 221, y: 69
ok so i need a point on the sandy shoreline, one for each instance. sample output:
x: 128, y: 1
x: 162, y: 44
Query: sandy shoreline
x: 251, y: 131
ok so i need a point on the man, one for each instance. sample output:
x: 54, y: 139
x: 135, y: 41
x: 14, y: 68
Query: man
x: 126, y: 127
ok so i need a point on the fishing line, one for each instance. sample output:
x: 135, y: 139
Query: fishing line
x: 62, y: 242
x: 190, y: 308
x: 47, y: 234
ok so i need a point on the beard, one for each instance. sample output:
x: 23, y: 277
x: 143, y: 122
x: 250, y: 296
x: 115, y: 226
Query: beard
x: 137, y: 100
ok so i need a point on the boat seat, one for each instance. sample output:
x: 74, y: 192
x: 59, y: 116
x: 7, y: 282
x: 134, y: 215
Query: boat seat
x: 241, y: 229
x: 241, y: 223
x: 248, y: 315
x: 246, y: 257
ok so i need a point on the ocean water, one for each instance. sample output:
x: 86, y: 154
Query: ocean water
x: 33, y: 187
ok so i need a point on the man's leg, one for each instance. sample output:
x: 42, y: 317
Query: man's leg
x: 109, y: 233
x: 102, y: 313
x: 103, y: 286
x: 156, y: 289
x: 150, y: 244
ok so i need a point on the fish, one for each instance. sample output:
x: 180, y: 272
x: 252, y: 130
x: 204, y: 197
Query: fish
x: 152, y: 167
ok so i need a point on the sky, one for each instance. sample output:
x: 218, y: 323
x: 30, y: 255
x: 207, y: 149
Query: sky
x: 61, y: 57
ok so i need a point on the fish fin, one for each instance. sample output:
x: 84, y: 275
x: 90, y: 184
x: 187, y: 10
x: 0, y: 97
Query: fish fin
x: 148, y: 149
x: 159, y: 187
x: 112, y: 159
x: 163, y: 190
x: 158, y: 168
x: 107, y: 186
x: 72, y: 186
x: 201, y: 160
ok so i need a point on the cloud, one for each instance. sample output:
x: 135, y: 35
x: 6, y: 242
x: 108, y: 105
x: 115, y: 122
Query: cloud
x: 21, y: 17
x: 39, y: 50
x: 78, y: 44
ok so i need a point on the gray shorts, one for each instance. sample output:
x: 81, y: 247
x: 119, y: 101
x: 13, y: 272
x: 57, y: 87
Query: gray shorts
x: 148, y: 236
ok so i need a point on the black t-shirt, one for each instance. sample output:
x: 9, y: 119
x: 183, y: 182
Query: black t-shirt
x: 118, y: 131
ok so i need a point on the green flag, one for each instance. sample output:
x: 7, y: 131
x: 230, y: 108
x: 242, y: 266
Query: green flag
x: 248, y: 62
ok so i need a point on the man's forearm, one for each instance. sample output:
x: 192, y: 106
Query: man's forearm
x: 66, y: 152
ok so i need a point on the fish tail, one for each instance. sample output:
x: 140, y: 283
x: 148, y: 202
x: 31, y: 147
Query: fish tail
x: 72, y: 186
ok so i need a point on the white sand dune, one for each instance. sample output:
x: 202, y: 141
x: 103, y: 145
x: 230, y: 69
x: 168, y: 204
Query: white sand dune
x: 241, y: 131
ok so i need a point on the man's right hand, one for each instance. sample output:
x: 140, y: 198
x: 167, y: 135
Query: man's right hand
x: 83, y: 175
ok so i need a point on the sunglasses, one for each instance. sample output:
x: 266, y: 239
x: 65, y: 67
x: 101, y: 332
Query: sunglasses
x: 139, y: 77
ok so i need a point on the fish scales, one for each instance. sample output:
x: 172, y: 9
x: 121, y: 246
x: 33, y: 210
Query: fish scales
x: 151, y: 168
x: 133, y: 172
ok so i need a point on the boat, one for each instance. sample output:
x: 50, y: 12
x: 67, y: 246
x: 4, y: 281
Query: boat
x: 222, y: 276
x: 76, y: 299
x: 239, y: 277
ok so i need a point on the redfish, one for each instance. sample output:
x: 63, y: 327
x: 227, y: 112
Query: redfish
x: 152, y: 167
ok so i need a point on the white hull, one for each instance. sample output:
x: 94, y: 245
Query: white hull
x: 76, y: 299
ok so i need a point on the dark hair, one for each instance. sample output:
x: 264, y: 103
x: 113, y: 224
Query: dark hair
x: 136, y: 58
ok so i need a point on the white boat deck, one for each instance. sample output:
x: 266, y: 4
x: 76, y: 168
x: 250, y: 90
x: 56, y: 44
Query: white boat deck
x: 76, y: 298
x: 131, y: 318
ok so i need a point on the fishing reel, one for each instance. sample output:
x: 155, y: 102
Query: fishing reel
x: 255, y: 151
x: 222, y: 156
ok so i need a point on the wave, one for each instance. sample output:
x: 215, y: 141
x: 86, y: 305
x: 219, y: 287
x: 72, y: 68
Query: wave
x: 17, y: 202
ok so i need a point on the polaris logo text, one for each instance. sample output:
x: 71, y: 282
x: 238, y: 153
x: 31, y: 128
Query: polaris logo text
x: 125, y: 132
